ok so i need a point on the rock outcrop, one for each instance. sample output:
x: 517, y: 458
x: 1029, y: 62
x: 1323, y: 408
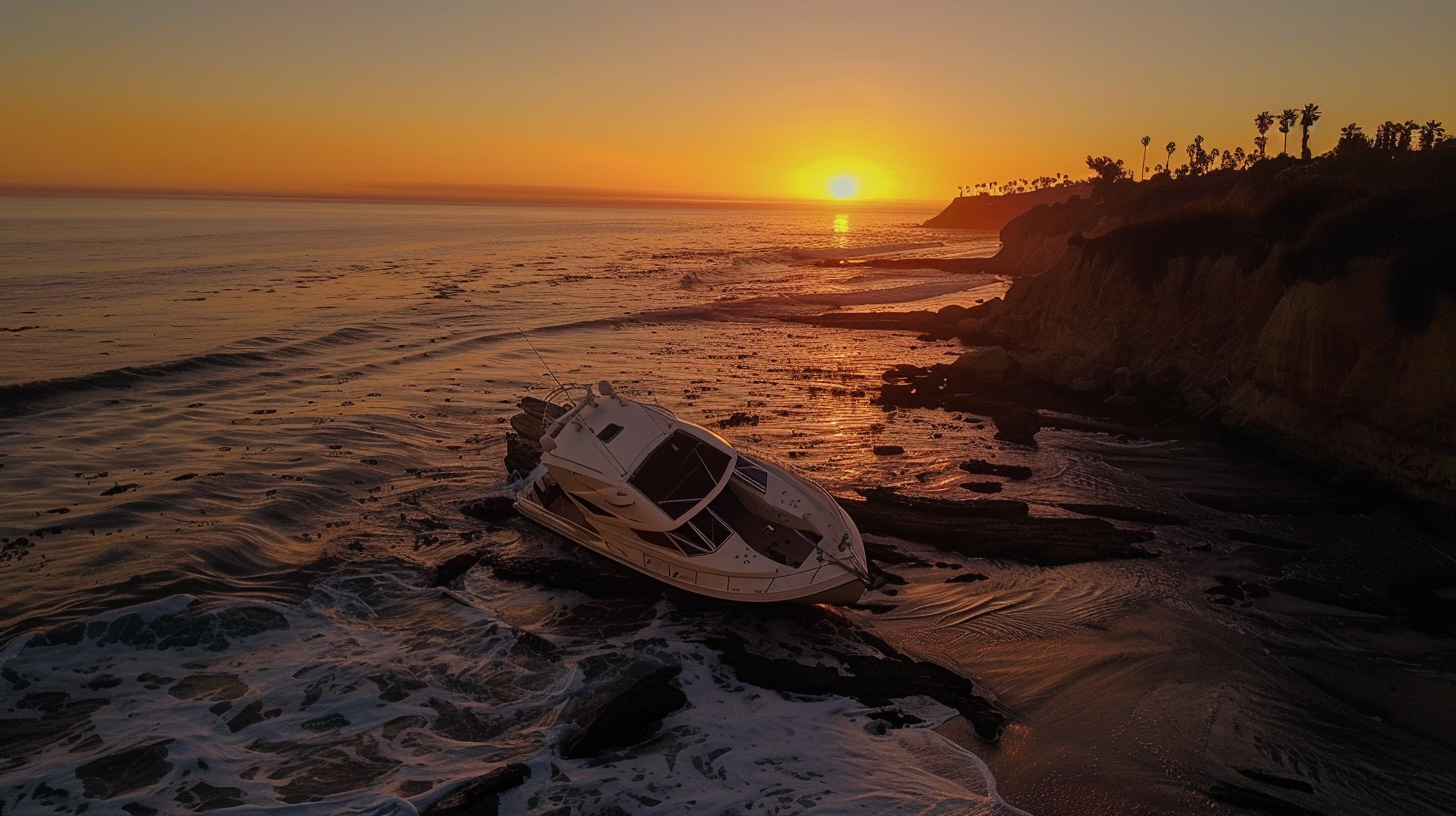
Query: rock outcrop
x: 991, y: 213
x: 1309, y: 307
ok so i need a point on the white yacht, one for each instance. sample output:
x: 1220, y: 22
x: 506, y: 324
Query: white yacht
x: 675, y: 501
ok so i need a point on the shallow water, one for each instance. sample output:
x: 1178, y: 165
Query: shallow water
x: 234, y: 438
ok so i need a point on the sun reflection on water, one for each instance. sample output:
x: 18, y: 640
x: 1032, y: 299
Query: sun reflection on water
x: 841, y: 230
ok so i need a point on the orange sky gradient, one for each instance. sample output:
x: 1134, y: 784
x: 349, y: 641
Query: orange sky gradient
x: 719, y: 101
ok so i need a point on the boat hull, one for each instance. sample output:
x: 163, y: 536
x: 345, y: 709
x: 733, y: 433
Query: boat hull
x: 827, y: 584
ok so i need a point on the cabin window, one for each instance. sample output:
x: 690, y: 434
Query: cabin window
x: 609, y: 433
x: 710, y: 527
x: 753, y: 473
x: 681, y: 472
x: 691, y: 542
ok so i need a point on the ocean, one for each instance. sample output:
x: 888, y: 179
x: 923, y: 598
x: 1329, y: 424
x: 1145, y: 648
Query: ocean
x: 236, y: 437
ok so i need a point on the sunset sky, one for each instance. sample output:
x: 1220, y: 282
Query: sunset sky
x: 729, y: 99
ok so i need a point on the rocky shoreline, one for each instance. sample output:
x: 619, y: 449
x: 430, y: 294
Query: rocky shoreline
x: 1272, y: 304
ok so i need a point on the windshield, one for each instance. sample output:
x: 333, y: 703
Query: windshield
x: 680, y: 473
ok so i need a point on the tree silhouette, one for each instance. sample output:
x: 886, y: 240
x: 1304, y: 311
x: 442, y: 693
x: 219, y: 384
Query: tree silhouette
x: 1403, y: 141
x: 1307, y: 118
x: 1262, y: 122
x: 1198, y: 158
x: 1170, y: 147
x: 1106, y: 172
x: 1286, y: 122
x: 1431, y: 133
x: 1352, y: 140
x: 1147, y: 140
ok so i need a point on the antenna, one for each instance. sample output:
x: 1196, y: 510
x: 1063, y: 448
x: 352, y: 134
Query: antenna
x: 527, y: 338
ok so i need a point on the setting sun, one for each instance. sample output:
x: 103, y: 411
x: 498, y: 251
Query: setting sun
x: 841, y: 177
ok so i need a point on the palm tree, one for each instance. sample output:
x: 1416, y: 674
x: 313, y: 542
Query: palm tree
x: 1407, y: 130
x: 1262, y: 122
x: 1147, y: 140
x: 1431, y: 133
x: 1286, y: 121
x: 1170, y: 147
x: 1307, y: 118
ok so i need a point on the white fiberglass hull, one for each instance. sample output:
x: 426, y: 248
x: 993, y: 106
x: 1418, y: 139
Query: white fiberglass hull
x: 828, y: 583
x: 677, y: 502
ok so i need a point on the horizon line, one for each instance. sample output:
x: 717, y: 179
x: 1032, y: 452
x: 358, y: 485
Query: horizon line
x: 483, y: 194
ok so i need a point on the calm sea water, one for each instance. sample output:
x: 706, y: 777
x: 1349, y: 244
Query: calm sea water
x: 235, y: 436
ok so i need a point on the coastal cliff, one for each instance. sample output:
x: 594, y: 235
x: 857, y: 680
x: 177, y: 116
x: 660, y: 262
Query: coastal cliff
x: 992, y: 212
x: 1308, y: 307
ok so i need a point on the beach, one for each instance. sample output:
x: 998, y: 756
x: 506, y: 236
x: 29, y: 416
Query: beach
x: 237, y: 438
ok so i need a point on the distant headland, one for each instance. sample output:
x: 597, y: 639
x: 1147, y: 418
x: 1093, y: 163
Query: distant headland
x: 992, y: 212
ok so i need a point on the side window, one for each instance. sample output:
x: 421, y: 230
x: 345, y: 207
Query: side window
x: 753, y: 474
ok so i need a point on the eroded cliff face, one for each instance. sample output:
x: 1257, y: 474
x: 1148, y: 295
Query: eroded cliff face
x: 1315, y: 366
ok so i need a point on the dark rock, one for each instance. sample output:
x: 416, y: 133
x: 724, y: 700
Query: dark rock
x: 332, y: 722
x: 1121, y: 513
x: 208, y: 687
x: 952, y: 313
x: 125, y: 771
x: 874, y: 608
x: 490, y: 508
x: 479, y: 796
x: 1018, y: 425
x: 981, y: 487
x: 599, y: 578
x: 455, y: 567
x: 251, y: 714
x: 1265, y: 540
x: 629, y: 717
x: 966, y: 578
x: 873, y: 680
x: 737, y: 419
x: 888, y: 450
x: 888, y: 499
x: 895, y: 718
x: 981, y: 467
x: 1277, y: 781
x: 202, y: 797
x: 988, y: 528
x: 886, y: 554
x: 991, y: 364
x: 1250, y: 799
x: 1274, y: 504
x: 1331, y: 596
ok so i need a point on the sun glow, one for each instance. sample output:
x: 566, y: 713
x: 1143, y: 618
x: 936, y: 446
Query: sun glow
x: 841, y: 178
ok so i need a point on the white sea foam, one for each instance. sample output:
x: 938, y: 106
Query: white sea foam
x: 377, y: 693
